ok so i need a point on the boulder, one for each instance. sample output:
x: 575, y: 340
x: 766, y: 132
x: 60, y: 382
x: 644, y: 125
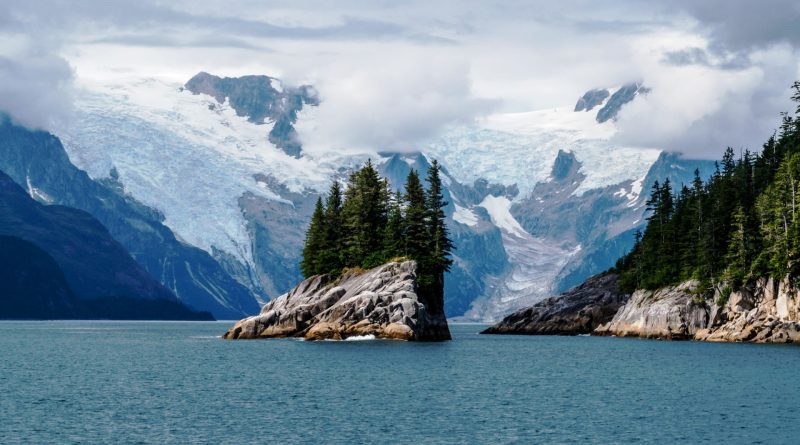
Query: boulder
x: 384, y: 302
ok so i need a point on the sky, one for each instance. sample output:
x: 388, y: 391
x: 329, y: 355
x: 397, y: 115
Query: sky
x: 394, y: 73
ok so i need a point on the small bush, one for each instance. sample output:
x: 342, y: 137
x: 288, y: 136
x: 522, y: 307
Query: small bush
x: 724, y: 295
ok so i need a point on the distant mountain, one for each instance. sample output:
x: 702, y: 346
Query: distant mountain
x: 538, y: 200
x: 37, y: 161
x: 70, y: 264
x: 591, y: 99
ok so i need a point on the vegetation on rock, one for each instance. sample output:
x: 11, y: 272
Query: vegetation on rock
x: 366, y: 225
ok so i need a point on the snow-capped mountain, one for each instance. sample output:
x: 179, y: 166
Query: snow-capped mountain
x: 536, y: 199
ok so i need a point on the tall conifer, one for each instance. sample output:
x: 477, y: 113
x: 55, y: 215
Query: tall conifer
x: 311, y: 263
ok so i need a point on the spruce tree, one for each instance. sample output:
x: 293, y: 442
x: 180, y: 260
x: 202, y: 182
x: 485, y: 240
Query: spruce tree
x: 311, y: 263
x: 437, y: 228
x: 417, y: 238
x: 393, y: 242
x: 331, y: 256
x: 351, y: 253
x: 738, y: 257
x: 437, y: 261
x: 742, y: 224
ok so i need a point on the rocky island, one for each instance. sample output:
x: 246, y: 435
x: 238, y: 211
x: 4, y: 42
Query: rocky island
x: 383, y: 302
x: 374, y: 263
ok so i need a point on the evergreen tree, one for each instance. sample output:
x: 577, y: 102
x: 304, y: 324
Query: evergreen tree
x: 417, y: 237
x: 738, y: 258
x: 393, y: 242
x: 311, y: 263
x: 438, y: 258
x: 331, y: 256
x: 437, y: 228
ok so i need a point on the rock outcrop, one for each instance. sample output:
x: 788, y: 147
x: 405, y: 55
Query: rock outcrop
x: 577, y: 311
x: 383, y: 302
x: 765, y: 312
x: 671, y: 313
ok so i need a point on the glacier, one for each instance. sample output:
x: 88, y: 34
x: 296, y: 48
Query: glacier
x: 185, y: 155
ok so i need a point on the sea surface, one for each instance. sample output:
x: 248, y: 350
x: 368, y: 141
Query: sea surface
x: 178, y: 382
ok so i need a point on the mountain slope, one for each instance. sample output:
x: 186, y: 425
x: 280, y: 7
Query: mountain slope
x: 94, y: 265
x: 38, y: 162
x: 33, y: 286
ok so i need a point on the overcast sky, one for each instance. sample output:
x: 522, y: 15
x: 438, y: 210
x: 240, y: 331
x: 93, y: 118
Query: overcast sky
x: 719, y: 71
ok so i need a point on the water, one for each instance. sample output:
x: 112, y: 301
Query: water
x: 164, y: 382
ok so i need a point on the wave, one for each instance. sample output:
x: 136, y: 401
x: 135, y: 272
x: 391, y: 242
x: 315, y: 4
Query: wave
x: 359, y: 338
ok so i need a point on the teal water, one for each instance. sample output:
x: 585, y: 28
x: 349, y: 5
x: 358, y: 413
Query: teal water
x: 164, y: 382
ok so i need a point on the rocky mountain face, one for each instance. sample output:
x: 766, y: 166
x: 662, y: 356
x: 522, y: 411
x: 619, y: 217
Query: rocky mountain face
x: 80, y: 253
x: 379, y: 303
x: 578, y: 311
x: 591, y: 99
x: 538, y: 201
x: 37, y: 161
x: 261, y: 99
x: 625, y: 94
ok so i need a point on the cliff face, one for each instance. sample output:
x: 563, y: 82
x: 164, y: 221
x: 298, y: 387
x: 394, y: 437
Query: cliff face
x: 766, y: 312
x: 382, y: 302
x: 577, y: 311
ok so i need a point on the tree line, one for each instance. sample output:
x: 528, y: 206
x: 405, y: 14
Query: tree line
x: 365, y: 225
x: 742, y: 224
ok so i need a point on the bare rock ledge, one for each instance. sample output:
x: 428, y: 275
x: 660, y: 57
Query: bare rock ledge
x: 383, y: 302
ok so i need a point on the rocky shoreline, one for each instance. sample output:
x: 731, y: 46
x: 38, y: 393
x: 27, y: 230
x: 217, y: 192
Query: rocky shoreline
x: 764, y: 312
x: 383, y: 302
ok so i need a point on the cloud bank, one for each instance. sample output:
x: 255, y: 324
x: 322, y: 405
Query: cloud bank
x: 392, y: 74
x: 35, y: 82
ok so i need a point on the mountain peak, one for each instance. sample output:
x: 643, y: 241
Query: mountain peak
x: 625, y: 94
x: 261, y: 99
x: 591, y: 99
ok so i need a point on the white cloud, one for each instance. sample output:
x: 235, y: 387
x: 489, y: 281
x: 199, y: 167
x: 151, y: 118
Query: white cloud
x: 35, y: 82
x: 388, y: 101
x: 700, y: 109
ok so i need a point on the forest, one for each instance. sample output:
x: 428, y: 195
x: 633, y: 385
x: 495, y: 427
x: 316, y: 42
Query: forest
x: 741, y: 224
x: 365, y: 225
